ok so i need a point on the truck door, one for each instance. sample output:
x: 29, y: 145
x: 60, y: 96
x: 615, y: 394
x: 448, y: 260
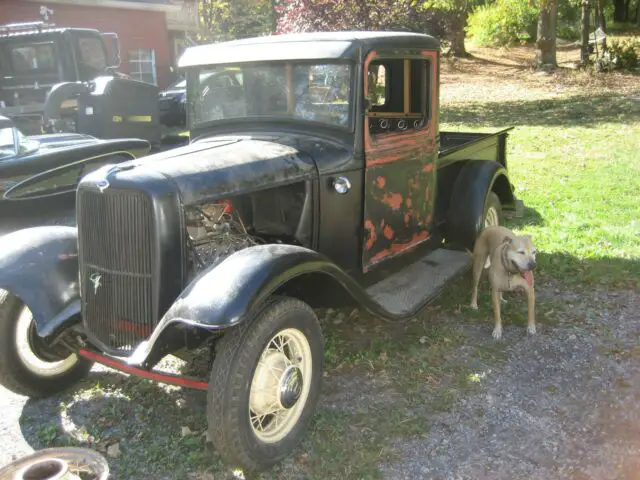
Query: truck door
x: 400, y: 130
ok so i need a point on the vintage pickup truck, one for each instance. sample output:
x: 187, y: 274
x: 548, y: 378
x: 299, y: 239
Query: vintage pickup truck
x: 318, y: 178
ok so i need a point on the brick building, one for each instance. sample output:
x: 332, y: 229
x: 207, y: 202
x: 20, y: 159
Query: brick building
x: 152, y: 33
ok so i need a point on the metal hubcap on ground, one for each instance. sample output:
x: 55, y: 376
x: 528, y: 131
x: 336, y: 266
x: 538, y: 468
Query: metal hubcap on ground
x: 29, y: 358
x: 280, y: 385
x: 491, y: 218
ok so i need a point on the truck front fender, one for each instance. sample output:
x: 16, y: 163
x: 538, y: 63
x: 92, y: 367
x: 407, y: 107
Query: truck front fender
x: 466, y: 208
x: 40, y: 266
x: 225, y: 295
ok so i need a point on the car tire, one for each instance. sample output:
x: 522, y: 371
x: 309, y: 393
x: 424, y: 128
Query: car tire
x: 26, y: 366
x: 284, y: 338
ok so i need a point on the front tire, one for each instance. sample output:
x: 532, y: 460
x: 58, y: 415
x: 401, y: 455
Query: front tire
x: 26, y: 366
x: 264, y: 385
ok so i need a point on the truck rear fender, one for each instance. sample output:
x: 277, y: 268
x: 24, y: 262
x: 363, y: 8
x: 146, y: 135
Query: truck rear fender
x: 227, y: 294
x: 40, y: 266
x: 468, y: 195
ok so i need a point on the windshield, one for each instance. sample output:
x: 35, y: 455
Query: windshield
x: 313, y: 92
x: 32, y: 58
x: 6, y: 143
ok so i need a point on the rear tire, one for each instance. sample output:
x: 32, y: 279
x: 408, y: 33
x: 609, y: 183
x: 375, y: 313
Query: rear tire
x: 271, y: 363
x: 26, y: 367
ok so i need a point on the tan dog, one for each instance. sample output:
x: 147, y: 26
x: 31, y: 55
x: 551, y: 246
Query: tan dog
x: 510, y: 259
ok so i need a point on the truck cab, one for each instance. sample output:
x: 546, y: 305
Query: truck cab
x: 316, y: 176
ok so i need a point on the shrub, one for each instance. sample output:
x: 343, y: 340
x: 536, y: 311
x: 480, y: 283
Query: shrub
x: 503, y: 22
x: 620, y: 55
x: 625, y: 54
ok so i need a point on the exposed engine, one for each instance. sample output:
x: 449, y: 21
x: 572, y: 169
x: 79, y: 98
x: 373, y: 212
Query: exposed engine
x: 215, y: 231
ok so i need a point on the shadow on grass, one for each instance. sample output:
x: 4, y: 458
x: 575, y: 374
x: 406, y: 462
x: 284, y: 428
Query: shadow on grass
x: 586, y: 111
x: 143, y: 418
x: 530, y: 217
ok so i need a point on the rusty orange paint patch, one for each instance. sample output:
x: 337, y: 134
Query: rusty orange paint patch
x: 399, y: 247
x: 388, y: 232
x: 381, y: 182
x: 368, y: 224
x: 407, y: 218
x: 428, y: 167
x: 393, y: 200
x: 407, y: 202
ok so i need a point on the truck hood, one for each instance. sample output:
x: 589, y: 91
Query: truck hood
x: 220, y: 167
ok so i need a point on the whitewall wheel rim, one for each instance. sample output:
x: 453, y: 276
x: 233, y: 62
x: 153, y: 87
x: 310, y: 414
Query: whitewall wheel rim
x: 29, y: 359
x: 491, y: 219
x: 280, y: 386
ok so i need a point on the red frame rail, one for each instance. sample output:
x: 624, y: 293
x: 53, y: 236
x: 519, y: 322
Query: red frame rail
x: 139, y: 372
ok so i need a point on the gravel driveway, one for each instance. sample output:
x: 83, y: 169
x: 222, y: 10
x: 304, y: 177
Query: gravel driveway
x: 565, y: 404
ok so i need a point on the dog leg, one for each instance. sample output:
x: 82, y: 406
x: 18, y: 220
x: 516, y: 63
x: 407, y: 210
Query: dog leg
x: 497, y: 329
x: 477, y: 274
x: 531, y: 304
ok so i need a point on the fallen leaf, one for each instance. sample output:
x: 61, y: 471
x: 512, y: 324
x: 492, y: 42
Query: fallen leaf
x: 186, y: 431
x: 113, y: 450
x: 423, y: 340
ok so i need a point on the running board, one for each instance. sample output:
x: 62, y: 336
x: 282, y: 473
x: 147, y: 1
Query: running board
x: 412, y: 287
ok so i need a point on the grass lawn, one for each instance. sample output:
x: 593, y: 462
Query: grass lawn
x: 574, y: 160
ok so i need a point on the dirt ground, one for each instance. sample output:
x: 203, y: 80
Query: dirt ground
x: 564, y: 404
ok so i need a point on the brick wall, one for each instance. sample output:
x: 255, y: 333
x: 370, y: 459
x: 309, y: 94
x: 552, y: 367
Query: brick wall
x: 135, y: 28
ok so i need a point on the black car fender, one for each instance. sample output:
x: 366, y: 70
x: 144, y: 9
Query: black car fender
x: 39, y: 265
x: 228, y: 293
x: 471, y: 188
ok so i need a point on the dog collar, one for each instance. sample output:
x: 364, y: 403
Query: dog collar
x: 505, y: 261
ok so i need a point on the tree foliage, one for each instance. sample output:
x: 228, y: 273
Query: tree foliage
x: 337, y: 15
x: 503, y: 22
x: 231, y: 19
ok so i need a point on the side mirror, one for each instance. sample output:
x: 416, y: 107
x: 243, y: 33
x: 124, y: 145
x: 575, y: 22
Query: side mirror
x: 113, y: 48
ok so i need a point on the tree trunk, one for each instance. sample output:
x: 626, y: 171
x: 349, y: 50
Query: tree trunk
x: 619, y: 14
x: 457, y: 34
x: 584, y: 34
x: 601, y: 20
x: 546, y: 42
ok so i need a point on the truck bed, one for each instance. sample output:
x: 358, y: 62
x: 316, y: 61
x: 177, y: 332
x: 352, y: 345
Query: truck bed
x: 456, y: 146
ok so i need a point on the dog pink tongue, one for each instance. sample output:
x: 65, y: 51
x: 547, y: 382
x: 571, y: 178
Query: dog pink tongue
x: 528, y: 276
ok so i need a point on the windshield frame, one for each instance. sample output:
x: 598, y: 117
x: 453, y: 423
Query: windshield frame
x: 193, y: 74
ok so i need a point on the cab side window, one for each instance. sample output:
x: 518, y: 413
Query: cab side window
x: 398, y: 95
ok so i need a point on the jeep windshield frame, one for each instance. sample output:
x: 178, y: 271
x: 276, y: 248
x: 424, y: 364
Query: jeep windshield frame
x: 318, y: 92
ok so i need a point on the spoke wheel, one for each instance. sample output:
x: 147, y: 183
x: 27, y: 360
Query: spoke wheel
x: 265, y: 383
x: 280, y: 385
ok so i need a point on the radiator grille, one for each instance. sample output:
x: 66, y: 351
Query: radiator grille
x: 117, y: 248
